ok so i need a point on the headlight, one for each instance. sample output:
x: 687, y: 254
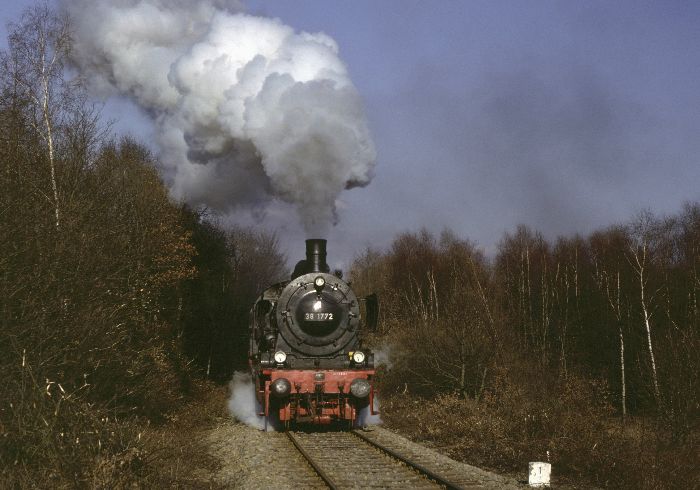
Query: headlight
x: 360, y: 388
x: 280, y: 387
x: 280, y: 357
x: 319, y: 282
x: 358, y: 357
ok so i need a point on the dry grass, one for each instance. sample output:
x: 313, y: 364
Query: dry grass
x: 178, y: 456
x: 87, y: 447
x: 573, y: 431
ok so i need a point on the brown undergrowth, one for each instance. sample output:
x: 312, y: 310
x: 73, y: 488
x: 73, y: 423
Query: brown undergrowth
x: 179, y: 456
x: 572, y: 428
x: 85, y: 447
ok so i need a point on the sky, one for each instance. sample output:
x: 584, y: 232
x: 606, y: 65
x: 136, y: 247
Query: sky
x: 563, y: 116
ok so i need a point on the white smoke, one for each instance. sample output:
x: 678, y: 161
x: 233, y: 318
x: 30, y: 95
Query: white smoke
x: 365, y: 417
x: 243, y: 405
x: 382, y: 356
x: 246, y: 110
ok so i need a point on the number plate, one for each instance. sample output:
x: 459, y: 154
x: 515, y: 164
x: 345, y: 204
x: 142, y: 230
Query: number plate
x: 318, y: 317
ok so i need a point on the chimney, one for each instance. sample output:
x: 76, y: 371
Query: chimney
x: 316, y: 255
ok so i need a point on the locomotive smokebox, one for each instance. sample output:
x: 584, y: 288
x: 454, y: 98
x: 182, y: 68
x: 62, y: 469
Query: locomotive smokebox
x: 316, y: 255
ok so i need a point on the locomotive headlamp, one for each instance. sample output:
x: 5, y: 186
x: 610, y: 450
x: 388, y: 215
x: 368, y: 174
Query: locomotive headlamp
x: 358, y: 357
x: 280, y: 387
x: 319, y: 283
x: 280, y: 357
x: 360, y: 388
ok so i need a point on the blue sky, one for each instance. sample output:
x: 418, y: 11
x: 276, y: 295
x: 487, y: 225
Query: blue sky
x: 564, y: 116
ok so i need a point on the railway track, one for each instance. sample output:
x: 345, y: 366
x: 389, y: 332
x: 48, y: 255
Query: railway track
x: 362, y: 460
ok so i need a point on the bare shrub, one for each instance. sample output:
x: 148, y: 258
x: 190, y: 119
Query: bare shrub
x: 435, y: 313
x: 545, y: 353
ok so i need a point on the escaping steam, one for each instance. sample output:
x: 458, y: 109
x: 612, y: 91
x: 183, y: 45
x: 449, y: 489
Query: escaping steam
x: 381, y: 360
x: 243, y: 404
x: 246, y: 110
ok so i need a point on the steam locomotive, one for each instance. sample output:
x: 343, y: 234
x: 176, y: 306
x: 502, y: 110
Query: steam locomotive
x: 306, y: 357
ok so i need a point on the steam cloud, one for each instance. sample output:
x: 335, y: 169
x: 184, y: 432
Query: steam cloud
x: 243, y: 404
x: 382, y: 356
x: 246, y: 110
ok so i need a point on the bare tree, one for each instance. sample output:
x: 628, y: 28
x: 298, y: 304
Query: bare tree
x: 607, y: 279
x: 34, y: 71
x: 641, y: 255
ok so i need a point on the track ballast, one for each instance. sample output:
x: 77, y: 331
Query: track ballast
x: 361, y: 459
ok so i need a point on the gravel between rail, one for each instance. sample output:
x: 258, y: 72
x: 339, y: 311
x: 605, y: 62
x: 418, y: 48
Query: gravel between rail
x: 250, y: 458
x: 351, y: 463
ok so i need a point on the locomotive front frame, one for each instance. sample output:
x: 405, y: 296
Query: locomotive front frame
x: 305, y: 354
x: 318, y: 397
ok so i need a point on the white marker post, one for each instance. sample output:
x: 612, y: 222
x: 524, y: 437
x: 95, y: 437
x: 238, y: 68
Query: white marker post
x: 539, y: 474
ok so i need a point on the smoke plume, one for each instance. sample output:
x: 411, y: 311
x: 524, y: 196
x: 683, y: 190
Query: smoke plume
x: 243, y: 405
x: 381, y: 360
x: 365, y: 417
x: 246, y: 110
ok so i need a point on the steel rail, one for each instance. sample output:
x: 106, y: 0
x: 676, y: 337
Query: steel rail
x: 416, y: 466
x: 324, y: 476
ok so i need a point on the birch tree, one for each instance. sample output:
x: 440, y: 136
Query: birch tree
x: 607, y: 279
x: 641, y: 256
x: 34, y: 73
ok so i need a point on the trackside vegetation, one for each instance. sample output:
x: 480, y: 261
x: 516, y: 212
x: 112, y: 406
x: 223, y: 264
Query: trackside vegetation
x: 118, y: 307
x: 583, y: 352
